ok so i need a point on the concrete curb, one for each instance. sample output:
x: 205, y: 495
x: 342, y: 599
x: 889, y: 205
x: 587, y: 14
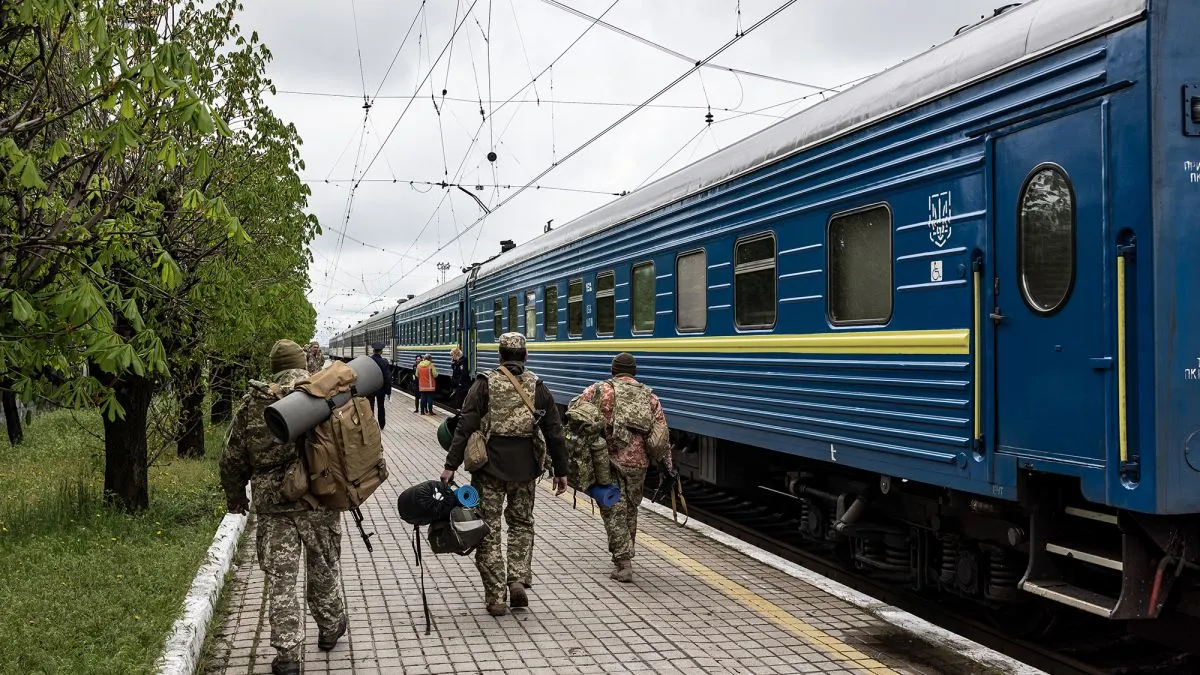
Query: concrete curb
x: 181, y: 653
x: 907, y: 622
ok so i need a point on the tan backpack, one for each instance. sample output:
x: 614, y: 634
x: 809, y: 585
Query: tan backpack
x: 343, y: 454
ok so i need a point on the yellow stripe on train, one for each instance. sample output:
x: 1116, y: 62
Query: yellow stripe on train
x: 952, y: 341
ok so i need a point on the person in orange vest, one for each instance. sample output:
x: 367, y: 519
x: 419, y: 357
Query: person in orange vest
x: 427, y: 380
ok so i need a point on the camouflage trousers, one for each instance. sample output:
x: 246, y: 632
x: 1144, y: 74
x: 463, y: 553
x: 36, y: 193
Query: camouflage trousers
x: 489, y: 559
x: 279, y: 539
x: 620, y: 520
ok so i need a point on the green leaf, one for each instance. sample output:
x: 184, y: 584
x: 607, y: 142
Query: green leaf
x: 222, y: 128
x: 204, y: 120
x: 58, y: 150
x: 22, y: 310
x: 28, y: 173
x: 168, y: 270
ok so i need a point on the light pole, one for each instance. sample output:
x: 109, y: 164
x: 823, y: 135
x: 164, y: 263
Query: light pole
x: 442, y: 267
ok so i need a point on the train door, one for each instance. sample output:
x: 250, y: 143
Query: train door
x: 1048, y: 304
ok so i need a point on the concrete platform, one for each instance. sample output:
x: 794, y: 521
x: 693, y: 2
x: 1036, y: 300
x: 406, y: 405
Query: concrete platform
x: 696, y: 605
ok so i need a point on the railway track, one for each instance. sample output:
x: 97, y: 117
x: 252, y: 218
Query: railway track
x: 1076, y: 644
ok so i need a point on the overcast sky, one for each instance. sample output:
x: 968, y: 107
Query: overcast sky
x: 343, y: 48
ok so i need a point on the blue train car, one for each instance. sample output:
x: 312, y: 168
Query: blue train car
x: 945, y: 311
x: 430, y: 323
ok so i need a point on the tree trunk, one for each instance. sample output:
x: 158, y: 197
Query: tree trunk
x: 191, y: 414
x: 125, y: 483
x: 222, y: 388
x: 12, y: 416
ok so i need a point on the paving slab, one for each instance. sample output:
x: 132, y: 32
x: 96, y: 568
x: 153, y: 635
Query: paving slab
x: 696, y: 605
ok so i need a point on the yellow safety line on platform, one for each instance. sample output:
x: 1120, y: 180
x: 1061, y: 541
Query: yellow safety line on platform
x: 779, y: 616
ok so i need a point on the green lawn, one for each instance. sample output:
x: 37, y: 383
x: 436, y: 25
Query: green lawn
x: 84, y: 589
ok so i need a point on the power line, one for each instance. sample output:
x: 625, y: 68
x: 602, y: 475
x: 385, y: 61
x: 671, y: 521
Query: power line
x: 367, y: 244
x: 398, y: 50
x: 593, y: 139
x: 358, y: 47
x: 418, y: 87
x: 667, y: 50
x: 447, y: 184
x: 557, y: 58
x: 611, y: 104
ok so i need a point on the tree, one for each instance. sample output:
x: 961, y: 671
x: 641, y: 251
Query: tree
x: 117, y: 171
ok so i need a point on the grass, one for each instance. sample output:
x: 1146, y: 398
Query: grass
x: 85, y: 588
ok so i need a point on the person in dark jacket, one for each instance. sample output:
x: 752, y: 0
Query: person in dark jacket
x: 460, y: 377
x: 384, y: 392
x: 516, y: 454
x: 414, y: 387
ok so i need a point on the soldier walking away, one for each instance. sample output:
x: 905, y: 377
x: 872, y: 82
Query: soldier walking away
x: 460, y: 377
x: 314, y: 357
x: 284, y: 527
x: 427, y: 383
x: 515, y: 457
x: 384, y: 392
x: 636, y: 432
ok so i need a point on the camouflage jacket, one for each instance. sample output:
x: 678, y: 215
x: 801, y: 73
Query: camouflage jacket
x: 315, y: 360
x: 251, y: 454
x: 504, y: 422
x: 633, y: 415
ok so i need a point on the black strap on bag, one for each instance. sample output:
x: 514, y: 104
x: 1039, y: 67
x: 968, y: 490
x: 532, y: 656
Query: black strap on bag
x: 424, y: 599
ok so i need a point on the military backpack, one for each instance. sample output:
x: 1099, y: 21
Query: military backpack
x: 588, y: 461
x: 342, y: 457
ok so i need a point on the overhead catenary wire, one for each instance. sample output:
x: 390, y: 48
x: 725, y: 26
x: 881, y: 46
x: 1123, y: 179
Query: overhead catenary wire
x: 419, y: 86
x: 447, y: 184
x: 519, y: 101
x: 684, y: 57
x: 699, y: 64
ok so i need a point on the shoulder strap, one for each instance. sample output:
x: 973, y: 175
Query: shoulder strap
x: 520, y: 390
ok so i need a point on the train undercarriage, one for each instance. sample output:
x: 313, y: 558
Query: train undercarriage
x: 1028, y: 565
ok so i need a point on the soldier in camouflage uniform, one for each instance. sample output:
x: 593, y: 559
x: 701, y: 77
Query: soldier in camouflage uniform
x: 284, y: 526
x: 314, y: 357
x: 636, y: 433
x: 516, y: 456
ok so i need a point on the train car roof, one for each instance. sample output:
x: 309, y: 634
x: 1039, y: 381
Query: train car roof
x: 983, y: 50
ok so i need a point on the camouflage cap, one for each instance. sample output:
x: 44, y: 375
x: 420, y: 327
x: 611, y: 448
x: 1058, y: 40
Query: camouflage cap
x: 286, y: 354
x: 512, y: 341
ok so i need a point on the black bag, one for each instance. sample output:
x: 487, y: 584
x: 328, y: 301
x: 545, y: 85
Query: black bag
x: 461, y: 533
x: 426, y: 503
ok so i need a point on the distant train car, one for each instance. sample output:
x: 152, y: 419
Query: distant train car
x: 946, y: 310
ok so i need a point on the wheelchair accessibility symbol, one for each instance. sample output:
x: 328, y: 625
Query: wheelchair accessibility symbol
x: 935, y: 270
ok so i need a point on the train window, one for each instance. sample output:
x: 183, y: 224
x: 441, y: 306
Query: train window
x: 754, y: 282
x: 512, y: 315
x: 860, y: 266
x: 531, y: 315
x: 498, y: 319
x: 691, y: 292
x: 1046, y: 239
x: 550, y: 312
x: 606, y: 303
x: 575, y: 308
x: 642, y: 292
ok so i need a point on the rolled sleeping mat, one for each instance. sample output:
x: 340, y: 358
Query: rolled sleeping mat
x: 467, y: 496
x: 291, y: 416
x: 605, y: 495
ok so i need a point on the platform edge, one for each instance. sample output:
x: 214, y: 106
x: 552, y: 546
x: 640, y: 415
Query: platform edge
x: 910, y: 623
